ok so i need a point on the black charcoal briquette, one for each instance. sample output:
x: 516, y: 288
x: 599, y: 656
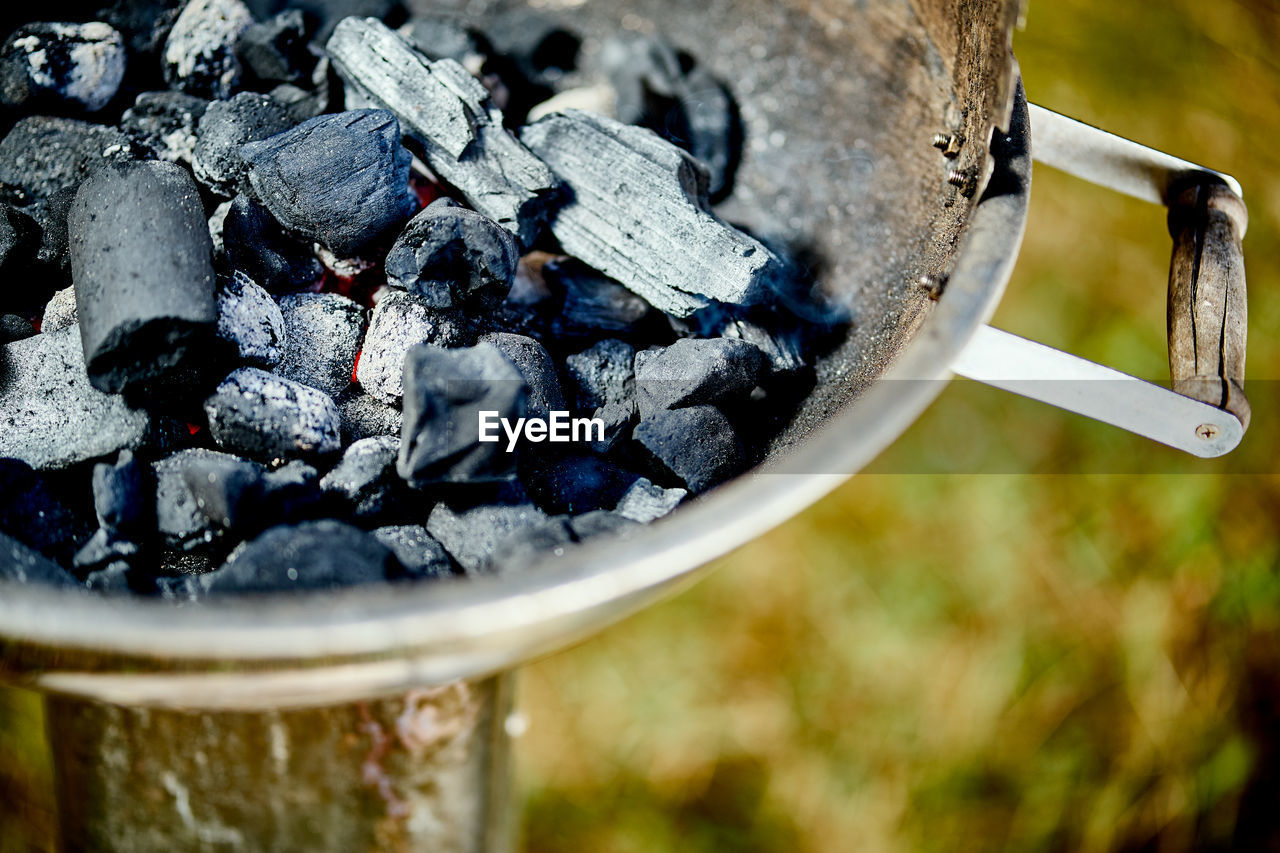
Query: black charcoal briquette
x: 31, y: 512
x: 250, y: 320
x: 165, y: 123
x: 119, y: 495
x: 694, y: 371
x: 143, y: 272
x: 276, y: 50
x: 420, y: 555
x: 472, y: 536
x: 24, y: 565
x: 44, y: 154
x: 536, y: 366
x: 226, y: 490
x: 401, y: 321
x: 366, y: 479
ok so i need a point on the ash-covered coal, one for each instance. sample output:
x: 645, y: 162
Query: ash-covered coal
x: 302, y: 305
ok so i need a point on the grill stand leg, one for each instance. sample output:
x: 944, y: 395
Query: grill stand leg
x: 424, y: 770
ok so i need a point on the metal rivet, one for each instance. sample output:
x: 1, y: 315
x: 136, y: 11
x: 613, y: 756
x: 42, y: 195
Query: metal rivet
x: 1207, y: 432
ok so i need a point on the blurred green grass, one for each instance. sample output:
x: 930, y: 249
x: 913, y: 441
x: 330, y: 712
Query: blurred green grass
x: 944, y: 661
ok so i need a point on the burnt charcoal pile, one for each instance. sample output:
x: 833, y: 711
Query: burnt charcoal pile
x: 296, y: 300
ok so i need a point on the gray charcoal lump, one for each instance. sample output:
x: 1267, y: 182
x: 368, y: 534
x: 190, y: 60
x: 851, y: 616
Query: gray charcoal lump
x: 363, y: 416
x: 218, y: 161
x: 472, y: 536
x: 250, y: 320
x: 602, y: 373
x: 276, y: 50
x: 143, y: 273
x: 44, y: 154
x: 453, y: 258
x: 51, y: 416
x: 200, y: 53
x: 450, y: 115
x: 178, y: 515
x: 646, y: 502
x: 311, y: 555
x: 536, y: 367
x: 444, y: 393
x: 593, y: 304
x: 419, y: 554
x: 226, y: 490
x: 323, y: 333
x: 255, y: 243
x: 698, y: 445
x: 267, y: 417
x: 639, y: 213
x: 694, y: 371
x: 366, y: 479
x: 32, y: 513
x: 73, y: 64
x: 19, y: 239
x: 60, y: 311
x: 118, y: 495
x: 340, y: 180
x: 15, y: 328
x: 400, y: 322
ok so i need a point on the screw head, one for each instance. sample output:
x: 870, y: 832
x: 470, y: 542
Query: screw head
x: 942, y: 141
x: 1207, y: 432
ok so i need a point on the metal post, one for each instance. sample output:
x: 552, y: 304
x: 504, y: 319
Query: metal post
x: 424, y: 770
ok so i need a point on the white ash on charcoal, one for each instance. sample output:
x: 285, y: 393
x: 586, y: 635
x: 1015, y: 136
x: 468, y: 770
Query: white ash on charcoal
x: 53, y: 417
x: 454, y: 258
x: 698, y: 445
x: 400, y: 322
x: 323, y: 334
x: 32, y: 513
x: 471, y: 536
x: 166, y: 124
x: 311, y: 555
x: 144, y: 282
x: 119, y: 495
x: 341, y: 180
x: 41, y: 155
x: 61, y: 65
x: 444, y: 392
x: 225, y: 127
x: 658, y: 87
x: 419, y: 554
x: 179, y: 519
x: 277, y: 50
x: 646, y: 502
x: 251, y: 321
x: 593, y: 305
x: 256, y: 244
x: 365, y: 480
x: 451, y: 117
x: 536, y: 368
x: 23, y: 565
x: 266, y: 417
x: 365, y: 417
x: 15, y: 328
x: 217, y: 225
x: 439, y: 37
x: 575, y: 483
x: 694, y: 371
x: 200, y: 53
x: 639, y: 213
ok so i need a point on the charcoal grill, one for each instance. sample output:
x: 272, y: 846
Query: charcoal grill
x: 889, y: 139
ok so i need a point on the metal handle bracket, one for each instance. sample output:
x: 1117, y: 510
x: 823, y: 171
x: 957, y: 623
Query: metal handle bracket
x: 1207, y: 414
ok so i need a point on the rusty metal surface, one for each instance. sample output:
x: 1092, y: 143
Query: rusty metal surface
x: 411, y: 772
x: 841, y: 102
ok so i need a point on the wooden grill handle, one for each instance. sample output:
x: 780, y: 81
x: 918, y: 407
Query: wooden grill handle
x: 1207, y: 307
